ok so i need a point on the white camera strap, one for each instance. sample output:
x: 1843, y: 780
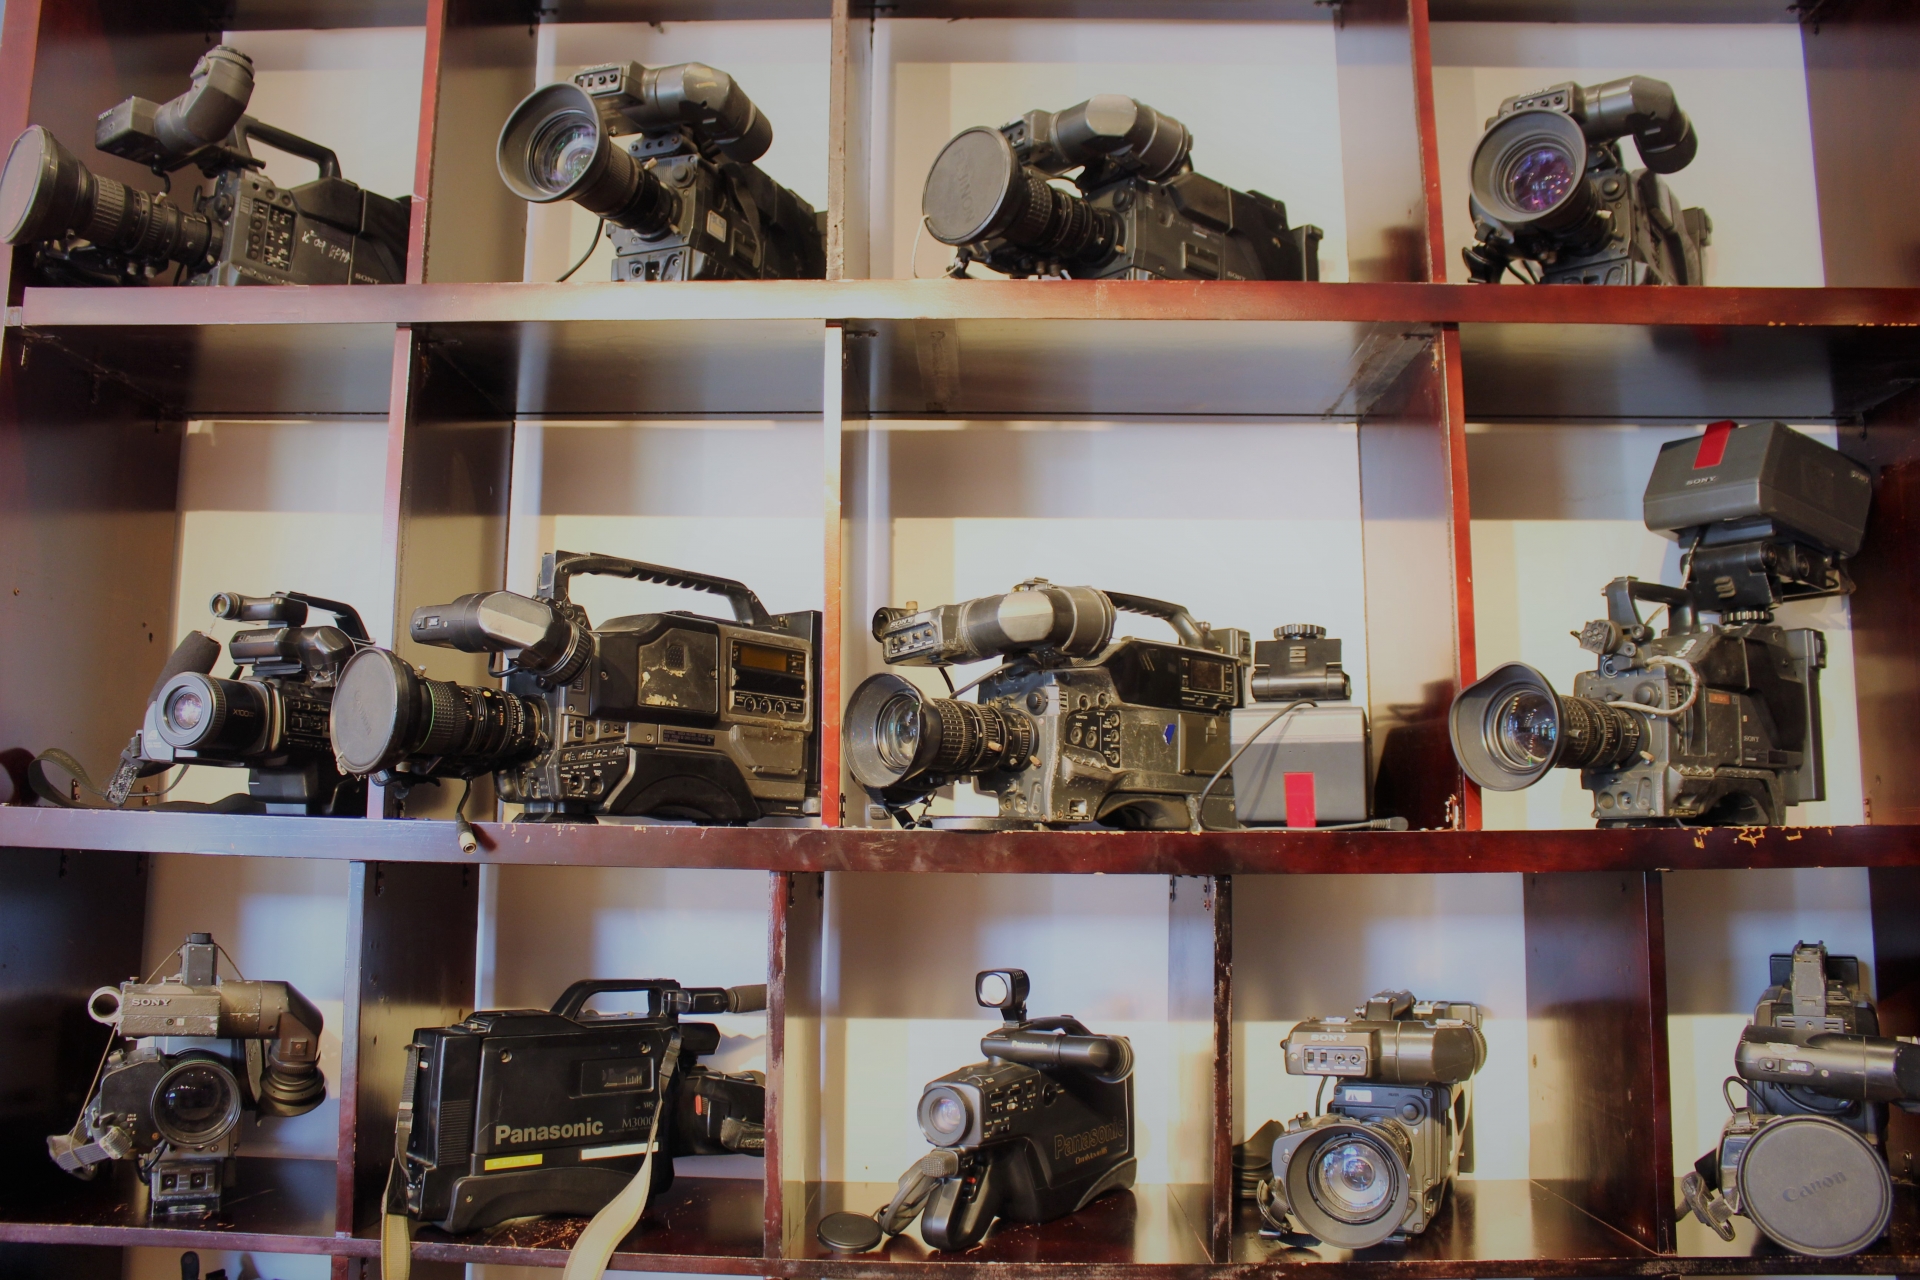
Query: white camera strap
x: 592, y: 1251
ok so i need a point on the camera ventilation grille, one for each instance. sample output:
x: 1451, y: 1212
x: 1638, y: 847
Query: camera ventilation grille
x: 455, y: 1132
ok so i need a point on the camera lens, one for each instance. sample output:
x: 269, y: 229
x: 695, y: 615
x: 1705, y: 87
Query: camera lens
x: 1539, y: 179
x: 46, y: 194
x: 1527, y: 730
x: 979, y: 190
x: 185, y: 710
x: 196, y: 1102
x: 945, y: 1116
x: 895, y: 734
x: 1511, y: 727
x: 383, y: 713
x: 562, y: 152
x: 1353, y: 1180
x: 215, y: 716
x: 555, y: 146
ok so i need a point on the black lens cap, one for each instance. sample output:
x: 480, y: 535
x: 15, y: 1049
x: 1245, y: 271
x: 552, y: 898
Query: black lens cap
x: 849, y: 1232
x: 372, y: 711
x: 971, y: 187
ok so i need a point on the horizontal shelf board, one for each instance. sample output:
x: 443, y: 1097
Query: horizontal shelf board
x: 309, y: 15
x: 825, y: 849
x: 1635, y: 11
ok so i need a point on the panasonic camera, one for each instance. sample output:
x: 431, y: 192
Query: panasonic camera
x: 187, y: 1058
x: 87, y: 228
x: 520, y: 1112
x: 672, y: 715
x: 1300, y: 746
x: 664, y: 156
x: 1550, y: 189
x: 269, y: 717
x: 1039, y: 1130
x: 1377, y: 1163
x: 1074, y: 727
x: 1805, y: 1158
x: 1139, y: 211
x: 1701, y: 723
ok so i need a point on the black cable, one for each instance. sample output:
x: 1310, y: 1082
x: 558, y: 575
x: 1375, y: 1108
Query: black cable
x: 593, y: 244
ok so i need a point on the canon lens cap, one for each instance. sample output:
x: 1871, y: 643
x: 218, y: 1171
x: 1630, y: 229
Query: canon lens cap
x: 372, y: 711
x: 849, y: 1232
x: 969, y: 190
x: 1815, y: 1186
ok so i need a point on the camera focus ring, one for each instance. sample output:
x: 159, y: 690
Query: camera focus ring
x: 109, y: 213
x: 445, y: 715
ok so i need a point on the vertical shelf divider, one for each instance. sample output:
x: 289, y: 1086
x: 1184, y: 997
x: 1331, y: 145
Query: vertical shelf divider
x: 795, y: 943
x: 1896, y: 981
x: 1200, y: 1009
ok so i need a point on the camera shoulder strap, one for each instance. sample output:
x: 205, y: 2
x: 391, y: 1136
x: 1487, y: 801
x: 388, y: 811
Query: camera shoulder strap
x: 396, y: 1228
x: 592, y: 1251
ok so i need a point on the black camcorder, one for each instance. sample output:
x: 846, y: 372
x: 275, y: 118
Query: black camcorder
x: 188, y: 1056
x: 1805, y: 1159
x: 520, y: 1112
x: 90, y: 229
x: 1550, y: 189
x: 269, y: 717
x: 1039, y: 1130
x: 1074, y: 727
x: 670, y: 715
x: 665, y: 156
x: 1377, y: 1164
x: 1140, y: 211
x: 1703, y: 723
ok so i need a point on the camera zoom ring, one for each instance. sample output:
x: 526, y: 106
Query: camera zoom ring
x: 445, y: 713
x: 1599, y: 736
x: 109, y: 215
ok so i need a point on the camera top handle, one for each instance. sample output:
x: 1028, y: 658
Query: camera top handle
x: 558, y: 567
x: 661, y: 993
x: 293, y: 144
x: 1175, y: 616
x: 1622, y: 592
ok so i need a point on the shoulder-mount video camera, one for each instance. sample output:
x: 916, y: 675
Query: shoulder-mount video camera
x: 1074, y: 727
x: 1703, y: 723
x: 1039, y: 1130
x: 1140, y: 212
x: 671, y: 715
x: 1805, y: 1158
x: 1377, y: 1163
x: 1550, y: 189
x: 188, y: 1056
x: 665, y: 156
x: 521, y: 1112
x: 269, y: 717
x: 91, y: 229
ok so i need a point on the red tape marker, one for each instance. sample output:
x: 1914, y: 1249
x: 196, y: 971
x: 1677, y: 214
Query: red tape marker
x: 1300, y: 806
x: 1713, y: 445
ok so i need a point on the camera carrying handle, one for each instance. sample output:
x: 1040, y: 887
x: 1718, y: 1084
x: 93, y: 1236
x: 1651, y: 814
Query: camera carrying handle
x: 250, y: 130
x: 1622, y: 592
x: 664, y: 996
x: 1175, y: 616
x: 559, y: 567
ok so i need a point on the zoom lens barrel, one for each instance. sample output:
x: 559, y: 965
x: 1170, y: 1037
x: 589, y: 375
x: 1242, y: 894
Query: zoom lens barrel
x: 384, y: 714
x: 212, y: 716
x: 979, y: 190
x: 1511, y: 727
x: 46, y: 193
x: 555, y: 146
x: 895, y: 734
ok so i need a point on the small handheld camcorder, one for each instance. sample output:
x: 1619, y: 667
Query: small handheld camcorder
x: 269, y: 717
x: 1039, y: 1130
x: 1300, y: 746
x: 1376, y: 1166
x: 1075, y: 727
x: 671, y: 715
x: 1550, y: 189
x: 91, y: 229
x: 521, y: 1112
x: 1704, y: 723
x: 1140, y: 212
x: 188, y: 1056
x: 665, y: 155
x: 1805, y: 1159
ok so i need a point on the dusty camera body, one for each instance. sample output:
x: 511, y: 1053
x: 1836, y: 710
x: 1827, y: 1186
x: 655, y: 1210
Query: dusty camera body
x: 1704, y: 723
x: 1805, y: 1158
x: 189, y: 1056
x: 92, y: 229
x: 664, y: 714
x: 1141, y: 212
x: 1377, y: 1164
x: 1075, y: 727
x: 1039, y: 1130
x: 521, y: 1112
x: 1550, y: 187
x: 665, y: 155
x: 1300, y: 766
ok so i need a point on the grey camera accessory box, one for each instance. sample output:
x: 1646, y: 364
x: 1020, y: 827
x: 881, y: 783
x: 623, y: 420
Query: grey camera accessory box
x: 1329, y: 743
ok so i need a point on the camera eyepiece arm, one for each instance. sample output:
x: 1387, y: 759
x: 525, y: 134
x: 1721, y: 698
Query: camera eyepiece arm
x: 1869, y: 1068
x: 1109, y: 133
x: 691, y: 96
x: 1646, y: 109
x: 1106, y: 1058
x: 664, y: 996
x: 558, y: 568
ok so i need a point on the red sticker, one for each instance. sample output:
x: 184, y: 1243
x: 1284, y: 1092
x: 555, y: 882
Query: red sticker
x: 1713, y: 445
x: 1300, y: 807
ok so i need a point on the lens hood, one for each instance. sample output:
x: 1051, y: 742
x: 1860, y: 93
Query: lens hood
x: 1543, y: 137
x: 874, y: 767
x: 538, y: 114
x: 1475, y: 735
x: 42, y: 189
x: 1294, y: 1158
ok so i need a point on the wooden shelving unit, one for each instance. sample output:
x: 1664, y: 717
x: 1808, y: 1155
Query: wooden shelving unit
x: 96, y: 387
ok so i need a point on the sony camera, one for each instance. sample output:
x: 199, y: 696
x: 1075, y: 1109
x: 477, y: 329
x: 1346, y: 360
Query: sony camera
x: 1141, y: 212
x: 187, y: 1057
x: 1550, y: 189
x: 269, y: 717
x: 672, y: 715
x: 1074, y: 727
x: 1805, y: 1159
x: 91, y: 229
x: 665, y: 155
x: 518, y: 1112
x: 1300, y: 746
x: 1376, y: 1165
x: 1037, y: 1131
x: 1701, y: 723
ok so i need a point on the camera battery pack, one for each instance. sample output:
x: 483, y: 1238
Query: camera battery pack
x: 1308, y: 770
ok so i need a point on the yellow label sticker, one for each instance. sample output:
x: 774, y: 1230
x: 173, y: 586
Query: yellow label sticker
x: 513, y: 1162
